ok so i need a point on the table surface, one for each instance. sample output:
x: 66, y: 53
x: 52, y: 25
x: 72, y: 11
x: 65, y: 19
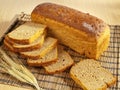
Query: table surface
x: 108, y: 10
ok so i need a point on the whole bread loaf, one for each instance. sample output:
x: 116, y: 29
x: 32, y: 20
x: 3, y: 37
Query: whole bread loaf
x: 80, y: 31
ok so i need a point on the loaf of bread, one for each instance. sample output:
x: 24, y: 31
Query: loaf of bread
x: 26, y: 33
x: 82, y: 32
x: 91, y: 76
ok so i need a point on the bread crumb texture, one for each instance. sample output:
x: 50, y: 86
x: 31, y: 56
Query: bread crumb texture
x: 91, y: 76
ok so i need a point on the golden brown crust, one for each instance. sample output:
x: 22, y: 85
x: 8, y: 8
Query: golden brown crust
x: 81, y: 21
x: 8, y: 40
x: 19, y: 49
x: 8, y: 47
x: 24, y: 42
x: 30, y: 63
x: 30, y: 48
x: 29, y: 56
x: 109, y: 84
x: 59, y: 71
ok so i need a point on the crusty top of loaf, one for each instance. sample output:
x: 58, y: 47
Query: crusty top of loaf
x: 71, y: 17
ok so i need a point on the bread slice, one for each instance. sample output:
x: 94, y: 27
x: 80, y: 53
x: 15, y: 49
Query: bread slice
x: 64, y: 61
x: 8, y: 46
x: 11, y: 42
x: 22, y: 48
x: 26, y: 33
x: 91, y: 76
x: 50, y: 57
x: 47, y: 46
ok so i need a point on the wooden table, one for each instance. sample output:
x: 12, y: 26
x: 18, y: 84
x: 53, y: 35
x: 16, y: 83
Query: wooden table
x: 108, y: 10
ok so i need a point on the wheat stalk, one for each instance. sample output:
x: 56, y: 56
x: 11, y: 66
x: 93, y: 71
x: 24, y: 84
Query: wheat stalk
x: 17, y: 70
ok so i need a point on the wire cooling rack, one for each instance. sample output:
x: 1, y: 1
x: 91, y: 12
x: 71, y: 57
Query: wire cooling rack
x: 110, y: 60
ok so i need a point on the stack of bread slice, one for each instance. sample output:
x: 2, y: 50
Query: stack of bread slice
x: 31, y: 42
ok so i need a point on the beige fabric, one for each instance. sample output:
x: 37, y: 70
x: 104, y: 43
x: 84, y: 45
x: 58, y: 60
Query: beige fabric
x: 108, y: 10
x: 7, y: 87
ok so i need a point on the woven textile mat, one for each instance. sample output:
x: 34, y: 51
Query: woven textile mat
x: 110, y: 60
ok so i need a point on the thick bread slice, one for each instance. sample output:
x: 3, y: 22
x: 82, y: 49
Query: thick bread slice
x: 50, y: 57
x: 47, y: 46
x: 91, y: 76
x: 22, y: 48
x: 64, y: 61
x: 26, y: 33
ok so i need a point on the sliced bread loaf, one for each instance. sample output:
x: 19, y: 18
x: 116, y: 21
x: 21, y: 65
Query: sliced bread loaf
x: 26, y: 33
x: 22, y: 48
x: 64, y: 61
x: 47, y: 46
x: 50, y: 57
x: 91, y: 76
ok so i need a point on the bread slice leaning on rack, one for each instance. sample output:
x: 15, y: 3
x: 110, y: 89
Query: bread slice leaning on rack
x: 26, y: 33
x: 91, y: 76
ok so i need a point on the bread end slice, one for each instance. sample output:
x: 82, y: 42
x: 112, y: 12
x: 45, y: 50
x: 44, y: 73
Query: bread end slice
x: 91, y: 76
